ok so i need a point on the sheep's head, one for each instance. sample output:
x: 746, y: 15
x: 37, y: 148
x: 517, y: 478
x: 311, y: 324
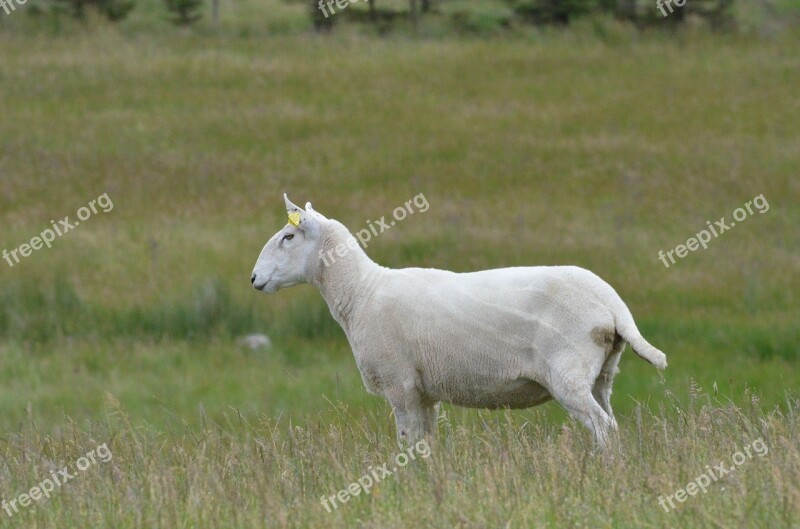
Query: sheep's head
x: 291, y: 255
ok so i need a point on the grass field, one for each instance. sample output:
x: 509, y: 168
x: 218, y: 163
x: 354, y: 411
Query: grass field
x: 554, y: 148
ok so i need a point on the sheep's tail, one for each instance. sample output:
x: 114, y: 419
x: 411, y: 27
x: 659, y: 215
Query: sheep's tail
x: 626, y: 327
x: 641, y: 346
x: 630, y: 333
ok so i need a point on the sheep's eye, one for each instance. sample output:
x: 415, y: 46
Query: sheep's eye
x: 288, y: 237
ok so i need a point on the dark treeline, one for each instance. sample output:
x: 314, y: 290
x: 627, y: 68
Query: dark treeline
x: 468, y: 15
x: 717, y: 13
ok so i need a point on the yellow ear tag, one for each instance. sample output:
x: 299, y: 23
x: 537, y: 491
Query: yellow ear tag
x: 294, y: 219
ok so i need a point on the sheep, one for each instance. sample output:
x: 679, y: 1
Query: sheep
x: 503, y: 338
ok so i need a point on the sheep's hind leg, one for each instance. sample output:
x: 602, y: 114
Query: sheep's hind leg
x: 602, y: 386
x: 430, y: 416
x: 579, y: 402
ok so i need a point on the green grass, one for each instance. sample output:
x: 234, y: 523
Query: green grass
x: 539, y: 149
x: 502, y: 471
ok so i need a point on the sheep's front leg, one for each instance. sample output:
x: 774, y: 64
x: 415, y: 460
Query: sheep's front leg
x: 409, y: 415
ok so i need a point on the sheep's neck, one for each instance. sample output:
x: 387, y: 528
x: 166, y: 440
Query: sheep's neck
x: 346, y: 283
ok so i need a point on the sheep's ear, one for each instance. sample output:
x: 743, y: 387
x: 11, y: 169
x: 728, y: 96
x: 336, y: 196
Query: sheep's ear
x: 299, y: 218
x: 290, y: 208
x: 311, y: 211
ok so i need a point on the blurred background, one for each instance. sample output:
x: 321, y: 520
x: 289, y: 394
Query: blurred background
x: 541, y: 132
x: 592, y: 133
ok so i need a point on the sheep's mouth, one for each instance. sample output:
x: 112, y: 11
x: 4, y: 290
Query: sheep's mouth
x: 260, y: 286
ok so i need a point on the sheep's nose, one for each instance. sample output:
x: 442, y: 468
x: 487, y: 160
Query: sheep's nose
x: 253, y: 279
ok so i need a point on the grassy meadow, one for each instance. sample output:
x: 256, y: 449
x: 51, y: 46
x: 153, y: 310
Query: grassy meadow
x: 586, y: 147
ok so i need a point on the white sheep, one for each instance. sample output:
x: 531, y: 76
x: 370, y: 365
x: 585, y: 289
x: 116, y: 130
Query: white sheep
x: 510, y: 337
